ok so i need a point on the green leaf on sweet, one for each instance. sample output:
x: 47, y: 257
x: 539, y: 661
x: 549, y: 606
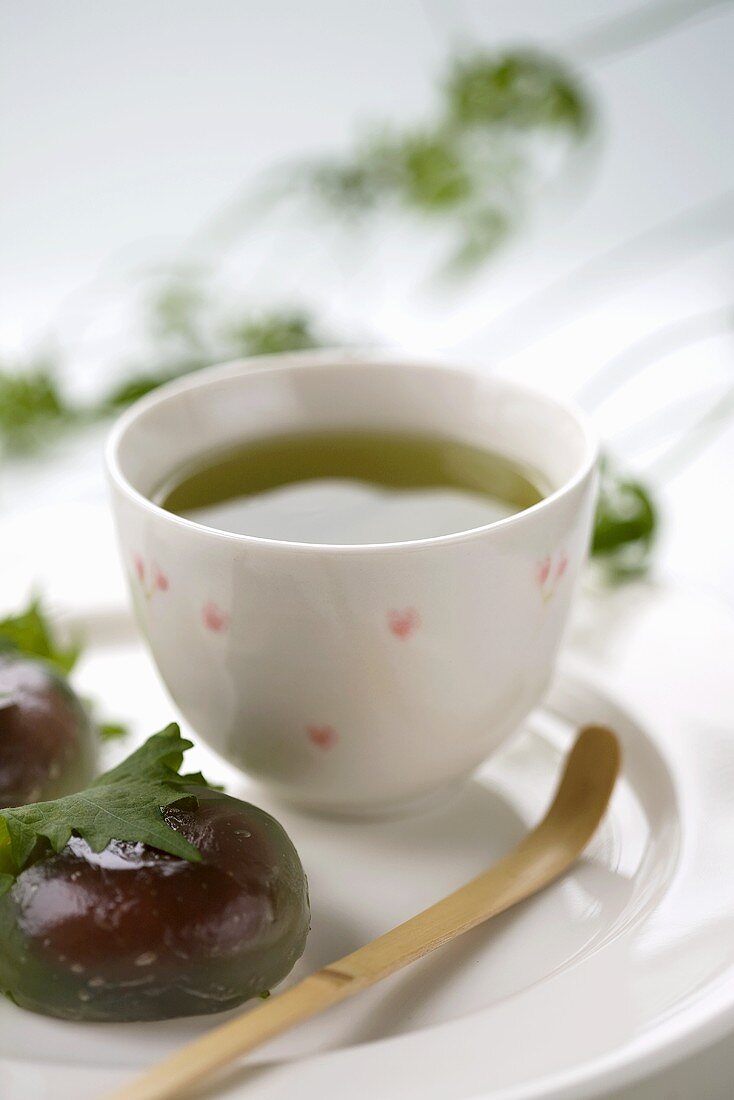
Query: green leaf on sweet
x: 124, y: 803
x: 158, y: 759
x: 30, y: 633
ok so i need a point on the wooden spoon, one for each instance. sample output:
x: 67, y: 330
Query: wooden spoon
x: 544, y: 854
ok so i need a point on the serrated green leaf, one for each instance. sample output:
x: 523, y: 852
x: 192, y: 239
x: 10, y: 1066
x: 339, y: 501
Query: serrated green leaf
x: 158, y: 758
x: 125, y: 803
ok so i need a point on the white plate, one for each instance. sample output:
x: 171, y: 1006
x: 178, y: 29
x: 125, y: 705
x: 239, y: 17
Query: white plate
x: 624, y: 966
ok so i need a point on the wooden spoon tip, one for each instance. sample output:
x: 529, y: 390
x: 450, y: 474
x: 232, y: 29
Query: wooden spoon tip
x: 603, y: 743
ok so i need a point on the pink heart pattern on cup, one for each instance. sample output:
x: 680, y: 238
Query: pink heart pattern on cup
x: 322, y: 737
x: 214, y: 618
x: 549, y: 572
x: 160, y: 580
x: 151, y: 579
x: 403, y: 623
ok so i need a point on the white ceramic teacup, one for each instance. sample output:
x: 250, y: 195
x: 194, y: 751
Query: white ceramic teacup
x: 353, y: 679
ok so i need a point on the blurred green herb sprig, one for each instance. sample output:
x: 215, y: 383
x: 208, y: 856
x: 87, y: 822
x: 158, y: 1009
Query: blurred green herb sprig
x: 469, y: 168
x: 472, y: 166
x: 181, y: 329
x: 35, y: 408
x: 519, y: 88
x: 625, y: 525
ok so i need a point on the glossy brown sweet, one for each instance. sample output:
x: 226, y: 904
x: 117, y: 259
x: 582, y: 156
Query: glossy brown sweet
x: 132, y: 933
x: 47, y: 742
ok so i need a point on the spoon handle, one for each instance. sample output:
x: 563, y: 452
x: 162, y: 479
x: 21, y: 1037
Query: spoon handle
x: 546, y: 852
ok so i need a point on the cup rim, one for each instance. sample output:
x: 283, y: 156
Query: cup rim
x: 334, y: 356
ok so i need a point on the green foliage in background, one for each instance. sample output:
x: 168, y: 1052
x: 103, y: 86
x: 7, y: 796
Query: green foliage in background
x: 260, y: 334
x: 467, y: 167
x: 521, y: 89
x: 35, y: 410
x: 472, y: 167
x: 33, y: 407
x: 625, y: 525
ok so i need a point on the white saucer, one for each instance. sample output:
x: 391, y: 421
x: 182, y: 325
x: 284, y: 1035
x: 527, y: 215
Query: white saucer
x: 624, y: 966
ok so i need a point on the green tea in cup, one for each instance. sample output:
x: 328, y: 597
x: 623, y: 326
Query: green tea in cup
x: 350, y: 488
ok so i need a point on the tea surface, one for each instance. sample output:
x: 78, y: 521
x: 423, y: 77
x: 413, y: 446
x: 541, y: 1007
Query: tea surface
x: 354, y: 487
